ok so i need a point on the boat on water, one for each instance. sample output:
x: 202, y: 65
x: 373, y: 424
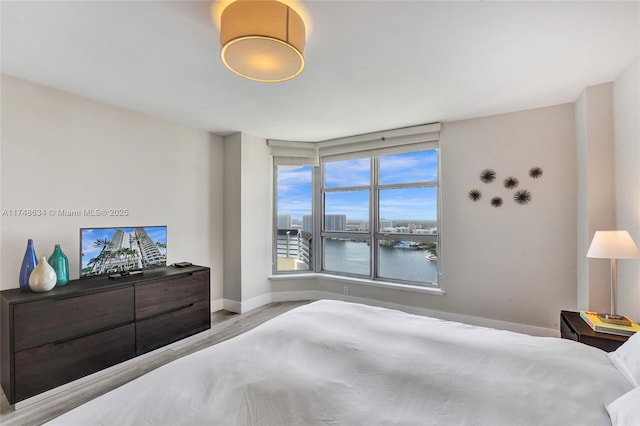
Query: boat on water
x: 431, y: 257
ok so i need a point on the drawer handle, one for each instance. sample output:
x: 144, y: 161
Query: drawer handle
x: 91, y: 333
x: 62, y: 341
x: 171, y: 311
x: 62, y: 299
x: 75, y: 296
x: 180, y: 308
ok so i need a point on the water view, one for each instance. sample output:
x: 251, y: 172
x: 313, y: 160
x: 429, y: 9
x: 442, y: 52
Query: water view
x: 395, y: 263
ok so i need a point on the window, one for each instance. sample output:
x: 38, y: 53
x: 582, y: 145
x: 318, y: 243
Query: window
x: 346, y: 201
x: 399, y: 194
x: 364, y: 206
x: 294, y: 224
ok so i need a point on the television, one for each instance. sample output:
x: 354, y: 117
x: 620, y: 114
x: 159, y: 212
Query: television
x: 122, y: 250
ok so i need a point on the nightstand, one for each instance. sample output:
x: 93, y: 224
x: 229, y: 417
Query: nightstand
x: 573, y: 327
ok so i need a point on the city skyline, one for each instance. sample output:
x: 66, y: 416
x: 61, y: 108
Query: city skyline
x: 285, y: 221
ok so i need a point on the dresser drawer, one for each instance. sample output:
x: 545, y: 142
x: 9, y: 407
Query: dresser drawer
x: 163, y: 296
x: 48, y: 366
x: 52, y: 320
x: 161, y: 330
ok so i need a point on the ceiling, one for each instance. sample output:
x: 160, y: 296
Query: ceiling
x: 370, y: 65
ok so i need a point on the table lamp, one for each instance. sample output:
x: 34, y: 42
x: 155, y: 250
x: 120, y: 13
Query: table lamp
x: 613, y: 245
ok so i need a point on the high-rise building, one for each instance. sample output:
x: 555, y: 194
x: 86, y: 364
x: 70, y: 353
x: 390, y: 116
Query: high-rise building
x: 307, y: 223
x: 150, y: 252
x: 386, y: 224
x: 112, y: 258
x: 335, y: 222
x: 130, y: 250
x: 117, y: 240
x: 284, y: 221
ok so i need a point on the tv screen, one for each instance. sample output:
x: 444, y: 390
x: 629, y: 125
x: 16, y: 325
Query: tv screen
x: 121, y: 249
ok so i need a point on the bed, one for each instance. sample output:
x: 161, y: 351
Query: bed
x: 339, y: 363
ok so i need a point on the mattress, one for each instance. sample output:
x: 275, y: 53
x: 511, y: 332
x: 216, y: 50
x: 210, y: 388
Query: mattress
x: 339, y: 363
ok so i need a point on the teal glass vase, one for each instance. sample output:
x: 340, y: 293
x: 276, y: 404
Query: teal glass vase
x: 60, y: 263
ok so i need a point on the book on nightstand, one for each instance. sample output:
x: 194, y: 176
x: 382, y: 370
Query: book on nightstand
x: 596, y: 324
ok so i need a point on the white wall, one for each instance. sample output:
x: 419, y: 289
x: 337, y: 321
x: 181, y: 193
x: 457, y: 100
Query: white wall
x: 515, y: 263
x: 582, y: 237
x: 596, y: 195
x: 248, y: 222
x: 61, y: 151
x: 626, y: 113
x: 232, y: 206
x: 608, y: 143
x: 257, y: 221
x: 523, y: 264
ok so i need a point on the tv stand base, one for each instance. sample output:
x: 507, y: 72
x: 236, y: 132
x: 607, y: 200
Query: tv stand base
x: 124, y: 274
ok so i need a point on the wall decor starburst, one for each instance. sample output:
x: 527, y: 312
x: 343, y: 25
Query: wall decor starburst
x: 522, y: 197
x: 475, y: 195
x: 535, y: 172
x: 511, y: 182
x: 496, y: 201
x: 488, y: 175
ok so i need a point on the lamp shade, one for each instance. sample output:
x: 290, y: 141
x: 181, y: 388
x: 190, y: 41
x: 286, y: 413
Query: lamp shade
x: 613, y: 245
x: 262, y: 40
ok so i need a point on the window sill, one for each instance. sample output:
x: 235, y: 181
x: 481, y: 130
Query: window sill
x: 383, y: 284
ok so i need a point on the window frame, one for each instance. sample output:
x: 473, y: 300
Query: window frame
x: 374, y: 235
x: 372, y: 146
x: 274, y: 225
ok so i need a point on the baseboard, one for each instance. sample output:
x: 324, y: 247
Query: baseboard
x: 231, y: 306
x: 256, y: 302
x: 285, y: 296
x: 247, y: 305
x: 217, y: 305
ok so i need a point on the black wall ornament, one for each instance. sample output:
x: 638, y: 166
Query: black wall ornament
x: 488, y: 175
x: 475, y: 195
x: 522, y: 197
x: 511, y: 182
x: 496, y: 201
x: 535, y: 172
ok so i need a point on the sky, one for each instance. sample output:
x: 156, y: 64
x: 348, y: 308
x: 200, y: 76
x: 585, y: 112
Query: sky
x: 294, y: 188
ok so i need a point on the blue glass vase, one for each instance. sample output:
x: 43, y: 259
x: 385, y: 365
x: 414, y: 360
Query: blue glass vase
x: 60, y: 263
x: 28, y: 264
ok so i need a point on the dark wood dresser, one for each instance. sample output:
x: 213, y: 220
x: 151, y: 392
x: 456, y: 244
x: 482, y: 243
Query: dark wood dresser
x: 55, y: 337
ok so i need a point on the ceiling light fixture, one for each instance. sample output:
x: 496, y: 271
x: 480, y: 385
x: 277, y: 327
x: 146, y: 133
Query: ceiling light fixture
x: 262, y: 40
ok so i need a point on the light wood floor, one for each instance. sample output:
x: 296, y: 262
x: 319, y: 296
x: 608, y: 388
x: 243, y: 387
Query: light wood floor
x: 44, y: 407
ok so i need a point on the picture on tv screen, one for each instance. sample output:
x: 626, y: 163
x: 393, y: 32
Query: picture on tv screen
x: 113, y: 250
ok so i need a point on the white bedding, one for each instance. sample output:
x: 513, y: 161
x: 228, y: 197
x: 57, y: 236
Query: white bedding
x: 338, y: 363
